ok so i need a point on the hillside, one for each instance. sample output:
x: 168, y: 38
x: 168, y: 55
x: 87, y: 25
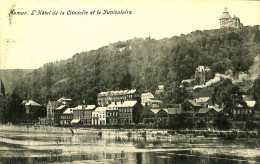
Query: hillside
x: 8, y: 76
x: 144, y: 64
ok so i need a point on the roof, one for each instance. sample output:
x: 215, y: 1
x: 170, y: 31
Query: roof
x: 250, y: 104
x: 225, y: 14
x: 155, y: 101
x: 173, y: 110
x: 161, y: 86
x: 100, y: 109
x: 124, y: 104
x: 32, y: 103
x: 204, y: 110
x: 201, y: 99
x: 68, y: 111
x: 65, y: 99
x: 90, y: 107
x: 155, y: 111
x: 120, y: 92
x: 75, y: 121
x: 216, y: 108
x: 61, y: 107
x: 80, y: 107
x: 194, y: 103
x: 147, y: 94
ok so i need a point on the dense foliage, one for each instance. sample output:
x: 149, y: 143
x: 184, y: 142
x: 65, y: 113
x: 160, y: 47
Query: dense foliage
x: 227, y: 96
x: 11, y: 109
x: 143, y: 64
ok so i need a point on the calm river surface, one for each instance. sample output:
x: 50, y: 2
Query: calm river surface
x: 40, y: 147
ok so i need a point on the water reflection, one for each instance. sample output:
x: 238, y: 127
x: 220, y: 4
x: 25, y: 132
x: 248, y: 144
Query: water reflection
x: 21, y: 147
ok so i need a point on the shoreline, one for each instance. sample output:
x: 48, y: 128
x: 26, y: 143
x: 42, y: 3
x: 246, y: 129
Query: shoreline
x: 165, y: 133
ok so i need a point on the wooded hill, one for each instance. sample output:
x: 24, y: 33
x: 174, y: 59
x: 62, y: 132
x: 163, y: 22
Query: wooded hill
x: 142, y: 63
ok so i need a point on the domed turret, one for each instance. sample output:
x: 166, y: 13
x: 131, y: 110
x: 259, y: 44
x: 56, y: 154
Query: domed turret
x: 225, y: 14
x: 227, y: 21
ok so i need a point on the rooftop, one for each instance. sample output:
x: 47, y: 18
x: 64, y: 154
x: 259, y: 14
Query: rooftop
x: 120, y: 92
x: 32, y: 103
x: 100, y: 109
x: 194, y: 103
x: 124, y: 104
x: 147, y: 94
x: 89, y: 107
x: 155, y: 111
x: 61, y: 107
x: 68, y: 111
x: 201, y: 99
x: 204, y: 110
x: 173, y: 110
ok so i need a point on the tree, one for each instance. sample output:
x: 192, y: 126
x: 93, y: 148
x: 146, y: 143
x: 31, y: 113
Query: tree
x: 228, y: 96
x: 14, y: 111
x: 221, y: 122
x: 256, y: 90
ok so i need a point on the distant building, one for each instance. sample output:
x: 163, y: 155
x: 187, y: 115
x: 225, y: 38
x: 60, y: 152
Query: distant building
x: 124, y: 112
x: 66, y: 116
x: 190, y: 107
x: 58, y: 112
x: 112, y: 114
x: 50, y: 107
x: 154, y: 104
x: 240, y: 112
x: 64, y: 101
x: 227, y: 21
x: 105, y: 98
x: 157, y: 116
x: 159, y: 91
x: 204, y: 101
x: 99, y: 116
x: 32, y: 107
x: 79, y: 115
x: 146, y: 97
x: 206, y: 114
x: 82, y: 114
x: 89, y: 110
x: 129, y: 112
x: 203, y: 74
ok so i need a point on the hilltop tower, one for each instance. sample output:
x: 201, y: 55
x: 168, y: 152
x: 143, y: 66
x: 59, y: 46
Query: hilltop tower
x: 227, y: 21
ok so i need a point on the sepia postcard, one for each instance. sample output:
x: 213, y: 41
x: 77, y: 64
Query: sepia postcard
x: 142, y: 82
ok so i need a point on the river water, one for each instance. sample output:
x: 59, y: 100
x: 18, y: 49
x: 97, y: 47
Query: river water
x: 42, y: 147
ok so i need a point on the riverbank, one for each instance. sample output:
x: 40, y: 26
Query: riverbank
x: 163, y: 133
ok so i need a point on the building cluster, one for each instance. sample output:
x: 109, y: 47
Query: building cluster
x: 145, y: 110
x: 114, y: 108
x: 128, y: 107
x: 227, y: 21
x: 202, y: 75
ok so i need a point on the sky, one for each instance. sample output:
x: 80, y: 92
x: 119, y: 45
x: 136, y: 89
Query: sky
x: 30, y: 41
